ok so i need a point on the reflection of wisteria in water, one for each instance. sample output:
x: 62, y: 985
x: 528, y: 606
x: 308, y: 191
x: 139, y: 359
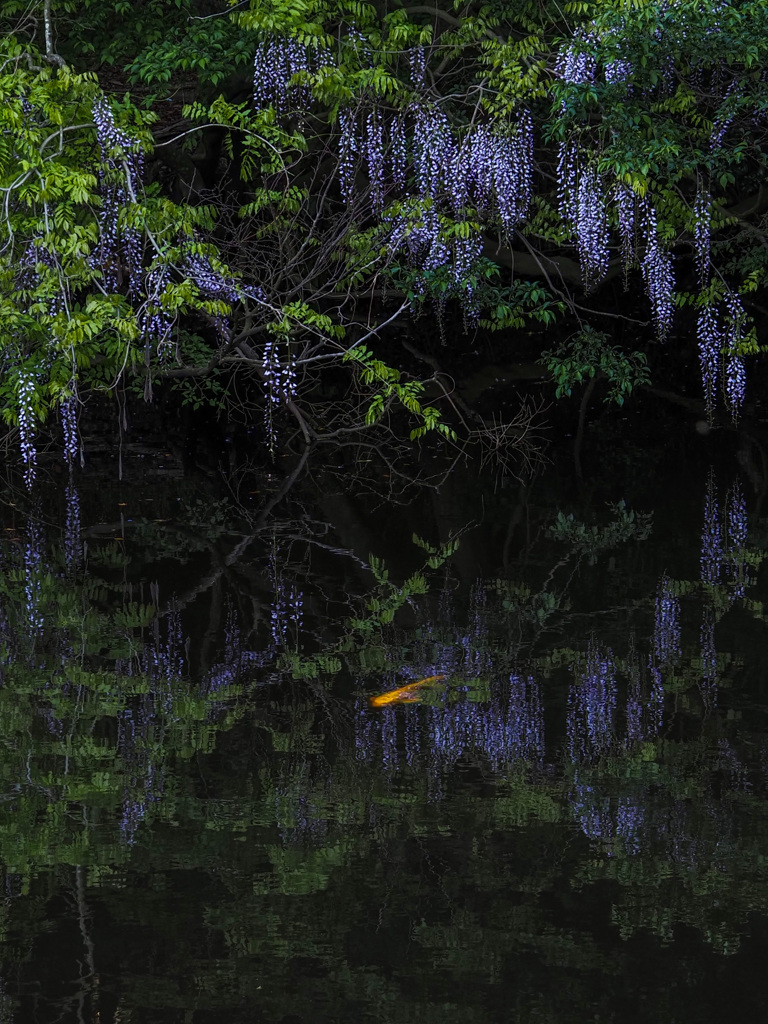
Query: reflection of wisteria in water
x: 605, y: 820
x: 144, y: 781
x: 730, y: 763
x: 525, y: 720
x: 165, y: 660
x: 389, y: 755
x: 299, y: 820
x: 711, y: 536
x: 72, y: 545
x: 645, y: 717
x: 666, y: 632
x: 32, y: 573
x: 592, y: 708
x: 477, y: 660
x: 436, y: 737
x: 7, y: 1005
x: 708, y: 683
x: 287, y: 605
x: 237, y: 660
x: 435, y: 656
x: 412, y: 737
x: 737, y: 526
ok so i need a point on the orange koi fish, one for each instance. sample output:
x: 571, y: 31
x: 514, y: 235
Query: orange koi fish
x: 405, y: 694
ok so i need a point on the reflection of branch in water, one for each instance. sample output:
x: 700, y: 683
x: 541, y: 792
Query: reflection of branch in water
x: 515, y: 447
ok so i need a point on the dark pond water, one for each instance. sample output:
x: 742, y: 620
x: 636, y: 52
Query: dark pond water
x: 205, y: 817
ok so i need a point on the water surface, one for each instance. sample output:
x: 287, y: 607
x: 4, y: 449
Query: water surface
x: 204, y: 818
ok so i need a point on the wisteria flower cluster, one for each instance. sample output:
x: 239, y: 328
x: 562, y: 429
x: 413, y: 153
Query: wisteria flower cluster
x: 279, y: 383
x: 275, y: 64
x: 27, y: 425
x: 720, y: 334
x: 735, y: 373
x: 709, y: 333
x: 489, y: 173
x: 28, y: 275
x: 582, y: 202
x: 576, y: 63
x: 156, y: 322
x: 120, y: 178
x: 657, y: 273
x: 68, y: 411
x: 702, y: 218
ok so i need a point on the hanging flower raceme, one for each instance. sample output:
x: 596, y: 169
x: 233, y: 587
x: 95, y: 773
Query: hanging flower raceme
x: 657, y: 271
x: 709, y: 334
x: 723, y: 119
x: 213, y: 284
x: 349, y: 153
x: 374, y: 153
x: 72, y: 542
x: 156, y: 322
x: 279, y: 375
x: 120, y: 177
x: 417, y: 61
x: 68, y: 410
x: 702, y: 217
x: 434, y: 151
x: 626, y: 216
x: 117, y: 146
x: 591, y: 228
x: 30, y: 274
x: 275, y: 64
x: 735, y: 372
x: 620, y: 72
x: 513, y: 173
x: 567, y: 181
x: 582, y: 203
x: 398, y: 151
x: 576, y: 63
x: 27, y: 422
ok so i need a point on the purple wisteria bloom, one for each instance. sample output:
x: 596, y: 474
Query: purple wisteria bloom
x: 702, y: 216
x: 626, y: 211
x: 275, y: 64
x: 591, y: 227
x: 710, y: 338
x: 735, y: 373
x: 120, y: 179
x: 657, y: 272
x: 68, y: 411
x: 27, y: 424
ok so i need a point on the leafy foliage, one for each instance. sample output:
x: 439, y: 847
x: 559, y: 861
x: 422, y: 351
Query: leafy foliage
x: 379, y: 162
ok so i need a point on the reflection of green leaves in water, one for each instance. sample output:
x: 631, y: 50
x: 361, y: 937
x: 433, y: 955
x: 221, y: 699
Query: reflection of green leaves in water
x: 590, y: 541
